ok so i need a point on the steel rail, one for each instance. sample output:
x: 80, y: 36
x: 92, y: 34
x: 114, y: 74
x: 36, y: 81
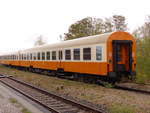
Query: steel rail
x: 78, y: 104
x: 132, y: 89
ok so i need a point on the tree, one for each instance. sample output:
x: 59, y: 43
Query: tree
x: 144, y: 30
x: 40, y: 41
x: 93, y: 26
x: 119, y: 23
x: 109, y: 27
x: 85, y: 27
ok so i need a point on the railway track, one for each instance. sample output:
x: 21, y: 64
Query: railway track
x: 51, y: 101
x: 133, y: 89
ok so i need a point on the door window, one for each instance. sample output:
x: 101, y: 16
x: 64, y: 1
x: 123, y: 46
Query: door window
x: 119, y: 53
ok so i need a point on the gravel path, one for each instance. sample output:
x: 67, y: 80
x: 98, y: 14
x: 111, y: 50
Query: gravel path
x: 7, y: 107
x: 10, y: 102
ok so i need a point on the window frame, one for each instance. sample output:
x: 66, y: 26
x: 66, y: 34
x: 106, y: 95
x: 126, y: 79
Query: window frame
x: 86, y: 55
x: 35, y: 56
x: 68, y: 55
x: 54, y: 56
x: 48, y: 58
x: 43, y: 55
x: 60, y: 55
x: 100, y: 53
x: 31, y: 56
x: 75, y: 55
x: 38, y: 55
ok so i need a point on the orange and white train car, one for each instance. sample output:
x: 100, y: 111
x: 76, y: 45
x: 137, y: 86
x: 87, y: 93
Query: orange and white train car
x: 104, y: 55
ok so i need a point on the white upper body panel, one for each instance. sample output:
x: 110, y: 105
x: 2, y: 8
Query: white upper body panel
x: 90, y: 40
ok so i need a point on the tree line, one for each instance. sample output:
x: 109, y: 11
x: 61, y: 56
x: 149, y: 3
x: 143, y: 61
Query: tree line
x: 92, y: 26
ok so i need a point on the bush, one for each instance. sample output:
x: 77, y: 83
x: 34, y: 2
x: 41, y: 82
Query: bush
x: 143, y: 61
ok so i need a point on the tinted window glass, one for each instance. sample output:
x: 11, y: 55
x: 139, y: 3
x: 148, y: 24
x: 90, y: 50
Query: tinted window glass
x: 16, y: 57
x: 48, y: 55
x: 21, y: 57
x: 24, y: 56
x: 34, y: 56
x: 27, y: 56
x: 98, y: 53
x: 30, y: 56
x: 38, y: 56
x: 86, y: 53
x: 53, y: 55
x: 67, y: 54
x: 60, y: 55
x: 76, y: 53
x: 118, y: 54
x: 43, y: 55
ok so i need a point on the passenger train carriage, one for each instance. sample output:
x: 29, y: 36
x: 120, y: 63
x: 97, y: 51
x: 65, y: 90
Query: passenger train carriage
x: 105, y: 56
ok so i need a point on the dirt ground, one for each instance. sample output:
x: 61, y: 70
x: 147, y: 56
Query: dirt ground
x: 117, y: 101
x: 9, y: 103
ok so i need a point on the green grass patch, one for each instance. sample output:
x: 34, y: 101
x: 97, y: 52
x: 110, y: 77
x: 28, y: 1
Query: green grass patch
x: 116, y: 108
x: 13, y: 100
x: 24, y: 110
x: 107, y: 85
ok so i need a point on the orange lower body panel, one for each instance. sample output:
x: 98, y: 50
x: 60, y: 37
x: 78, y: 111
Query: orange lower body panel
x: 98, y: 68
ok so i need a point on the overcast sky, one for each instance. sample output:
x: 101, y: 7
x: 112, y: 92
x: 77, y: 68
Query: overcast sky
x: 21, y: 21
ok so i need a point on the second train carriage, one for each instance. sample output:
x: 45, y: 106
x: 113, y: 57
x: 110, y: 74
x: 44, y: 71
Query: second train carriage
x: 106, y: 55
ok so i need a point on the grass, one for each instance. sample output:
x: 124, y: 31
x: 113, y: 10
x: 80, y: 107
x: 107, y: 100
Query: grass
x: 13, y: 100
x: 24, y: 110
x: 108, y: 85
x: 116, y: 108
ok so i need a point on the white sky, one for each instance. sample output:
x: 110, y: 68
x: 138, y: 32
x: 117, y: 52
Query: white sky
x: 21, y: 21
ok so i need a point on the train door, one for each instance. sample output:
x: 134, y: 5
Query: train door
x: 122, y: 56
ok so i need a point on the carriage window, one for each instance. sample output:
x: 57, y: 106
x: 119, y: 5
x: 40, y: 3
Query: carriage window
x: 98, y: 53
x: 38, y: 55
x: 34, y: 56
x: 43, y: 55
x: 60, y: 55
x: 68, y: 54
x: 86, y: 53
x: 53, y: 55
x: 21, y: 56
x: 47, y: 55
x: 16, y: 57
x: 76, y: 53
x: 30, y: 56
x: 24, y: 56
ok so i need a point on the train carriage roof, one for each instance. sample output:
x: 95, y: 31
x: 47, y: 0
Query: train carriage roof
x: 96, y: 39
